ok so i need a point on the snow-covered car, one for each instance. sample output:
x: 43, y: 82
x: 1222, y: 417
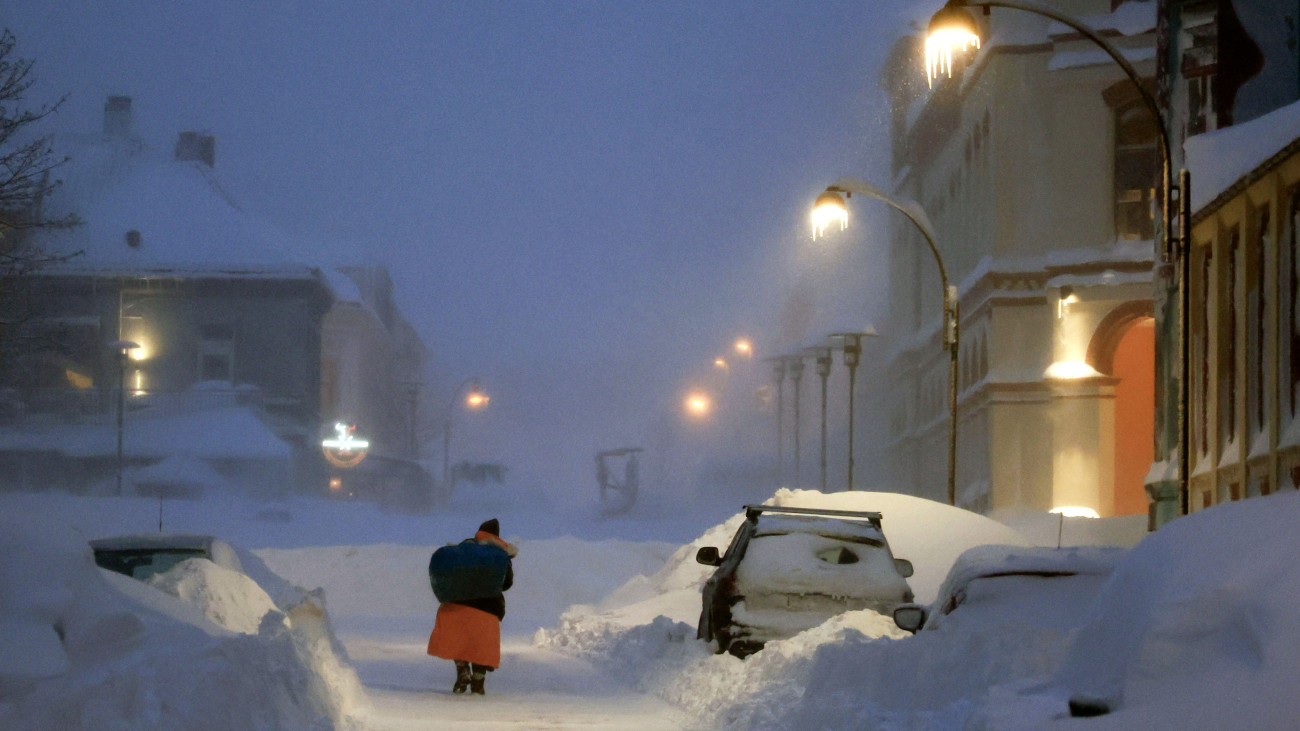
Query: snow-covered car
x: 1037, y: 586
x: 790, y: 569
x: 144, y: 555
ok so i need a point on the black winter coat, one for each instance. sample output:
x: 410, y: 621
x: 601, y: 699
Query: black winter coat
x: 495, y: 604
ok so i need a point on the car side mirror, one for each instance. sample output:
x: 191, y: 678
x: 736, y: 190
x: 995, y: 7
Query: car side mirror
x: 909, y: 617
x: 708, y: 555
x: 904, y: 568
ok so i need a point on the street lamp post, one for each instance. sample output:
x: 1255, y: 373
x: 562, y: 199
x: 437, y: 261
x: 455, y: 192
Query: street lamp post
x: 475, y: 400
x: 851, y: 343
x: 822, y: 358
x: 778, y: 370
x: 831, y: 207
x: 123, y: 349
x: 794, y: 366
x: 953, y: 26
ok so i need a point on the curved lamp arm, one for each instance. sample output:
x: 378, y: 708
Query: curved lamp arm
x: 916, y: 215
x: 1110, y: 49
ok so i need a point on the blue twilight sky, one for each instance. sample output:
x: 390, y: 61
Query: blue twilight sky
x: 580, y: 202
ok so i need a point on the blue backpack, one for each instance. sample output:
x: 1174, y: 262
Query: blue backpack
x: 468, y: 570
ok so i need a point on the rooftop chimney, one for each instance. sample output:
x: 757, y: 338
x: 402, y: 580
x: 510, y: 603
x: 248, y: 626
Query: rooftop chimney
x: 197, y: 146
x: 117, y: 116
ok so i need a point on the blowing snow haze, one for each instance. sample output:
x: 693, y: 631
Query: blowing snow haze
x: 581, y: 205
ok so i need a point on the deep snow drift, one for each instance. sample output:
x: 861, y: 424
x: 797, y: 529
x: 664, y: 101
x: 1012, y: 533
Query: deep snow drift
x: 1196, y: 628
x: 203, y: 647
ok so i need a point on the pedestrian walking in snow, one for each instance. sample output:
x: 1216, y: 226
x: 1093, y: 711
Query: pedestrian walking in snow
x: 469, y: 579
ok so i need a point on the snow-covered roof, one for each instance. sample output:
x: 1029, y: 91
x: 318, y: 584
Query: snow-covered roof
x: 178, y: 470
x: 230, y: 432
x: 345, y: 290
x: 1220, y: 159
x: 186, y: 224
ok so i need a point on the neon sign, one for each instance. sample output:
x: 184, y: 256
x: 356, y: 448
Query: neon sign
x: 344, y: 449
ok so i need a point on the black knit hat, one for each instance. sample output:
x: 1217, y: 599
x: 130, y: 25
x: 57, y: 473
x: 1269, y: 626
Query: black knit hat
x: 491, y: 526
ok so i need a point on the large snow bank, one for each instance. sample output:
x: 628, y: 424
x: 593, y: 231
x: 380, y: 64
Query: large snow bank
x: 1195, y: 627
x: 910, y: 524
x: 645, y: 631
x: 86, y: 648
x: 1198, y: 627
x: 227, y: 598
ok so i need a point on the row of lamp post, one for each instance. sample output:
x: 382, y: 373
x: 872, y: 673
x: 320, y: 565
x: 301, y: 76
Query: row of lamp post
x: 792, y: 365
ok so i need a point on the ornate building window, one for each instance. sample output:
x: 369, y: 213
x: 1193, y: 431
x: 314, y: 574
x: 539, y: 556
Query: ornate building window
x: 1135, y: 169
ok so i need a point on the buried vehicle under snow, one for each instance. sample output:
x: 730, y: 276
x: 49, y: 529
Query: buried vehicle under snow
x: 790, y: 569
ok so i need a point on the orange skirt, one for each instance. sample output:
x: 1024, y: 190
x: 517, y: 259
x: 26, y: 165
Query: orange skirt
x: 466, y: 633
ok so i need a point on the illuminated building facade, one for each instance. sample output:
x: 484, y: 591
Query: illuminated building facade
x: 1036, y: 163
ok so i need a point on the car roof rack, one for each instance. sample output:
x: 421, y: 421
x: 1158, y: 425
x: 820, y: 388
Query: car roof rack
x: 752, y: 512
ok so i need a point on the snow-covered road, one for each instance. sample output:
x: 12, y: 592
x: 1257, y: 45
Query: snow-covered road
x: 534, y: 689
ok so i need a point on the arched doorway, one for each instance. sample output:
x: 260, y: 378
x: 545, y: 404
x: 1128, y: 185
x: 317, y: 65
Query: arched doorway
x: 1123, y: 347
x: 1134, y: 365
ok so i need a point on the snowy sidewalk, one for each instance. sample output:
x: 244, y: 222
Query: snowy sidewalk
x: 534, y: 689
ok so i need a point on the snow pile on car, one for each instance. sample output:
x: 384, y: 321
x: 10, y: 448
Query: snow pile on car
x: 929, y: 534
x: 1005, y: 573
x: 1198, y: 627
x: 227, y: 598
x: 83, y: 648
x: 799, y: 556
x: 645, y: 631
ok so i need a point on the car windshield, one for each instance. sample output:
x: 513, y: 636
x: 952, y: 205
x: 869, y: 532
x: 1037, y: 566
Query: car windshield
x: 141, y: 563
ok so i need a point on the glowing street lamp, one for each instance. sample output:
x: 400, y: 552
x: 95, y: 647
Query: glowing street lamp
x: 744, y: 348
x: 698, y: 404
x: 952, y: 28
x: 476, y: 398
x: 830, y: 206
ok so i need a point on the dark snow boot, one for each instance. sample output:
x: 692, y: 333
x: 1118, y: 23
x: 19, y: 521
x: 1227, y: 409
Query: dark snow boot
x: 463, y: 678
x: 476, y: 683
